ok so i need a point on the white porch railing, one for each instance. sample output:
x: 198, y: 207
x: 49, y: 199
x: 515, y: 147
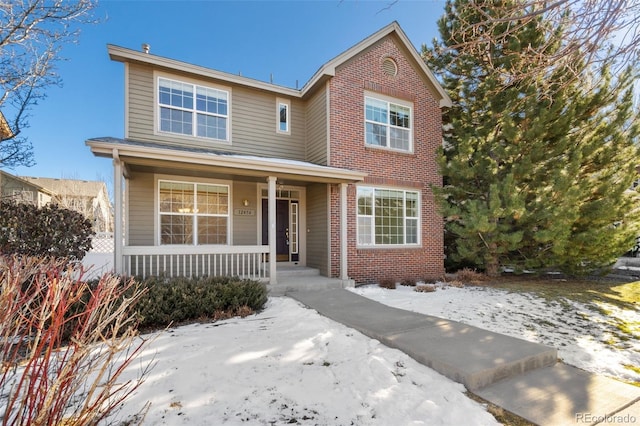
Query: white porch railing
x: 188, y: 261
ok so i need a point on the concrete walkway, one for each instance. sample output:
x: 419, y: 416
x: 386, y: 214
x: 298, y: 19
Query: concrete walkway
x: 517, y: 375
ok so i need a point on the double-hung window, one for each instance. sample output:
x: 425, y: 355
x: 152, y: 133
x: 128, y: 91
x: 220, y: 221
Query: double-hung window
x: 193, y: 110
x: 388, y: 217
x: 387, y: 124
x: 193, y: 213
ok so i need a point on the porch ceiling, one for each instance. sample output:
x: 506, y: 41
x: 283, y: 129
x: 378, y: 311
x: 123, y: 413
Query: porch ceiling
x: 157, y: 158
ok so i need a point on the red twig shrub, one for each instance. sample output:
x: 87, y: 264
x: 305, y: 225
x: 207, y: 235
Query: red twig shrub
x: 63, y: 343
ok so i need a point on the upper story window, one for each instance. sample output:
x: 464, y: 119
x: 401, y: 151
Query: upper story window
x: 283, y: 116
x: 388, y: 124
x: 193, y: 110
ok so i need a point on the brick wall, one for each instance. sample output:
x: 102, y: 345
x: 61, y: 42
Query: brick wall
x: 417, y: 170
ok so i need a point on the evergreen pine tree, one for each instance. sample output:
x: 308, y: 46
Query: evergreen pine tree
x: 536, y: 171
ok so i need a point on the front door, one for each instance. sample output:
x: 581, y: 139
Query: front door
x: 282, y: 228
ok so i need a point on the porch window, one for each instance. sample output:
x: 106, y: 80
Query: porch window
x: 387, y: 124
x: 193, y: 213
x: 193, y: 110
x: 388, y: 217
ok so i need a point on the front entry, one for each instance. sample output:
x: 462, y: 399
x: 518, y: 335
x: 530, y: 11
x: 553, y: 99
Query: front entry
x: 286, y: 229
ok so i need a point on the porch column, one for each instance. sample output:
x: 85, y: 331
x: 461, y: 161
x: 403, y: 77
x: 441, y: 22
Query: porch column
x: 271, y: 180
x: 117, y: 225
x: 344, y: 261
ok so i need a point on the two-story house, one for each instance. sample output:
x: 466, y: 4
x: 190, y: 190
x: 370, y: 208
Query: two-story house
x: 21, y: 190
x: 224, y: 174
x: 89, y: 197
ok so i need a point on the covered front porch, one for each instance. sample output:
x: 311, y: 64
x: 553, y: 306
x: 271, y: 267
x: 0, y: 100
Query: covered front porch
x: 192, y: 212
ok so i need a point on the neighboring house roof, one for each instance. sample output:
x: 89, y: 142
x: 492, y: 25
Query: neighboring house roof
x: 122, y: 54
x: 26, y: 182
x: 5, y: 129
x: 74, y: 187
x: 248, y: 163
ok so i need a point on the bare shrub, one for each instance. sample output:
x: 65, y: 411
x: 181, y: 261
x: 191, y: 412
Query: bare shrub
x: 410, y: 282
x: 427, y: 288
x: 455, y: 283
x: 388, y: 283
x: 64, y: 343
x: 470, y: 276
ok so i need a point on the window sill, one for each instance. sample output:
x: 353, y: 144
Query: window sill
x: 193, y: 140
x: 389, y: 150
x: 390, y: 247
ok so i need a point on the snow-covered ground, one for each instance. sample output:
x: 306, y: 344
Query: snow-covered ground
x: 289, y: 365
x: 584, y: 337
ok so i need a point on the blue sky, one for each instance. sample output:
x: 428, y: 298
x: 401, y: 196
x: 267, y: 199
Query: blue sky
x: 289, y: 40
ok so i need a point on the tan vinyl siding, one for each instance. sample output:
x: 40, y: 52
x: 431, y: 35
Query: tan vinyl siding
x: 245, y: 228
x: 252, y: 119
x: 317, y: 128
x: 317, y: 224
x: 141, y: 209
x: 254, y: 126
x: 141, y: 98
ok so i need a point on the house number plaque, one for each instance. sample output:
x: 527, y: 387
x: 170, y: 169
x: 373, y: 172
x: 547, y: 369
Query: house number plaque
x: 244, y: 212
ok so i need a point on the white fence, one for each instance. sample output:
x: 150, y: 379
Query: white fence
x: 99, y: 260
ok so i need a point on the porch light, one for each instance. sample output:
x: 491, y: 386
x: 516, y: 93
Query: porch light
x: 245, y: 202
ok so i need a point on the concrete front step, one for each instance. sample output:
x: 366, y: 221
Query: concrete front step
x: 302, y: 282
x: 296, y: 271
x: 469, y: 355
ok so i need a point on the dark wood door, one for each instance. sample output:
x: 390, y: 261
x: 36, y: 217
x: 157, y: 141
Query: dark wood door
x: 282, y: 227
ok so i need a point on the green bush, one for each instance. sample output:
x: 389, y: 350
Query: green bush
x: 177, y: 300
x: 49, y: 231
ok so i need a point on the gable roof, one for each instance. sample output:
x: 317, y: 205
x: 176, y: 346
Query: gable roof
x: 24, y: 181
x: 327, y: 70
x: 72, y: 187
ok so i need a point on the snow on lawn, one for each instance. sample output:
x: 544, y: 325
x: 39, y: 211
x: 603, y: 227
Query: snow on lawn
x: 584, y: 337
x: 290, y: 365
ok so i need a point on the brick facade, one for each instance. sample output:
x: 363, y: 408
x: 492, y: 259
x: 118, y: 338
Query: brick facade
x: 418, y: 170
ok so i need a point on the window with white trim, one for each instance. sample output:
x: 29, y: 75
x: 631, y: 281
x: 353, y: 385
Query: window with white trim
x: 388, y: 216
x: 193, y: 213
x: 387, y: 124
x: 283, y: 116
x: 193, y: 110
